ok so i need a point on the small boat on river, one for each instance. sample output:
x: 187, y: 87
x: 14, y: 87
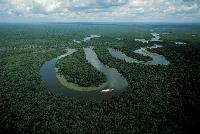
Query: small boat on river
x: 106, y: 90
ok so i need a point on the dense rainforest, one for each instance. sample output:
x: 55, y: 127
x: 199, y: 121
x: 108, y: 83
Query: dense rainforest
x: 158, y: 99
x: 76, y: 69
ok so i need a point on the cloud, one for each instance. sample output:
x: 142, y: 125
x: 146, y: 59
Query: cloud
x: 128, y: 10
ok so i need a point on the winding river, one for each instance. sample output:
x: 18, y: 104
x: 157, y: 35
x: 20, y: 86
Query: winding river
x: 156, y: 58
x: 87, y: 39
x: 115, y: 80
x: 119, y: 55
x: 155, y: 38
x: 116, y: 83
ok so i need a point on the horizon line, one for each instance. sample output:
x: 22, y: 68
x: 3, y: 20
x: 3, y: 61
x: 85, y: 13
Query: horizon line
x: 95, y: 22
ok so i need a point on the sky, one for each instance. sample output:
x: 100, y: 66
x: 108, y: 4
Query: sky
x: 100, y: 11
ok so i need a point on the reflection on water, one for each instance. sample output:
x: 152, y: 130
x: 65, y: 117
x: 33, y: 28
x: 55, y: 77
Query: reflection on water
x: 50, y: 81
x: 86, y: 39
x: 69, y: 51
x: 119, y: 38
x: 115, y: 79
x: 156, y: 58
x: 116, y: 82
x: 76, y: 41
x: 142, y: 40
x: 119, y: 55
x: 156, y: 37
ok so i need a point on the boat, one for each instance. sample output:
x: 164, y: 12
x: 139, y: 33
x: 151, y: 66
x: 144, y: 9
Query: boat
x: 106, y: 90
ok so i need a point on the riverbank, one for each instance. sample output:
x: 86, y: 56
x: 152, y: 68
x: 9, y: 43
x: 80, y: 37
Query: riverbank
x: 77, y: 87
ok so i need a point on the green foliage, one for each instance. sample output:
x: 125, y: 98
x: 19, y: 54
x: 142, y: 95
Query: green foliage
x: 76, y: 69
x: 159, y: 99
